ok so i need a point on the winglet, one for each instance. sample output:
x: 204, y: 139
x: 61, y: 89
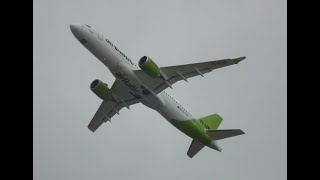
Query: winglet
x: 237, y: 60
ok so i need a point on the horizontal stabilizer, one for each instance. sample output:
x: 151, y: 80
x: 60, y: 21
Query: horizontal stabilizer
x: 223, y: 133
x: 194, y: 148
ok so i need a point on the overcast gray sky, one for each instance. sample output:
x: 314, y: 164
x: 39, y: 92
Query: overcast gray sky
x: 140, y: 144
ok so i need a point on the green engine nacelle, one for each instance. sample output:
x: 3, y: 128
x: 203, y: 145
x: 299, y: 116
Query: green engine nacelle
x: 101, y: 90
x: 149, y: 67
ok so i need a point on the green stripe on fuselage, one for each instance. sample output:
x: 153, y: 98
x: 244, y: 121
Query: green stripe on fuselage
x: 194, y: 129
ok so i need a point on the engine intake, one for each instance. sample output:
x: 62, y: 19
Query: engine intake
x: 149, y: 66
x: 101, y: 90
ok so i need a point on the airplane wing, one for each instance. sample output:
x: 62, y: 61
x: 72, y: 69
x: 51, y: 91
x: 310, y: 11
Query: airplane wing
x: 108, y: 109
x: 172, y: 74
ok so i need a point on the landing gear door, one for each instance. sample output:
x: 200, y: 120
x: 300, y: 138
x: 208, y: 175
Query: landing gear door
x: 100, y: 36
x: 120, y: 67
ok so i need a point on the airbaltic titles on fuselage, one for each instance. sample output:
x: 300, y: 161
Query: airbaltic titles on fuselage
x: 126, y: 81
x: 115, y: 47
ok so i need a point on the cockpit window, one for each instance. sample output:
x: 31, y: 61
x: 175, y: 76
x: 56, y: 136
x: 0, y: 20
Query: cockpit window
x: 88, y: 26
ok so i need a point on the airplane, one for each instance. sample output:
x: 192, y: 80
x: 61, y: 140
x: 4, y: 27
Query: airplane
x: 145, y: 84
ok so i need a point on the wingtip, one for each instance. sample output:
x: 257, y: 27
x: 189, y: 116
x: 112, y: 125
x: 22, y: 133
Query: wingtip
x: 237, y: 60
x: 91, y: 129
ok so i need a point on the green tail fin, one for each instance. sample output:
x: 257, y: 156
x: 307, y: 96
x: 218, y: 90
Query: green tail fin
x: 210, y: 122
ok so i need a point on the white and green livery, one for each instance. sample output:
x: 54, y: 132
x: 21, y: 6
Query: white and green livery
x: 146, y: 84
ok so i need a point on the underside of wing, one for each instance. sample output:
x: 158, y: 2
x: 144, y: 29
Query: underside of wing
x: 172, y: 74
x: 108, y: 109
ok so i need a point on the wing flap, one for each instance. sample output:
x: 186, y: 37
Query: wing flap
x: 104, y: 113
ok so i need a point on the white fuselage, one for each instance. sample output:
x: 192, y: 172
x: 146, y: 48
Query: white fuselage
x: 123, y: 69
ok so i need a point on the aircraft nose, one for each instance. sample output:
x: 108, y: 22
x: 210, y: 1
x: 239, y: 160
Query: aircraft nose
x: 75, y: 28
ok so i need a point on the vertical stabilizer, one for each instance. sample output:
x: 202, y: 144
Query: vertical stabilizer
x: 211, y: 122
